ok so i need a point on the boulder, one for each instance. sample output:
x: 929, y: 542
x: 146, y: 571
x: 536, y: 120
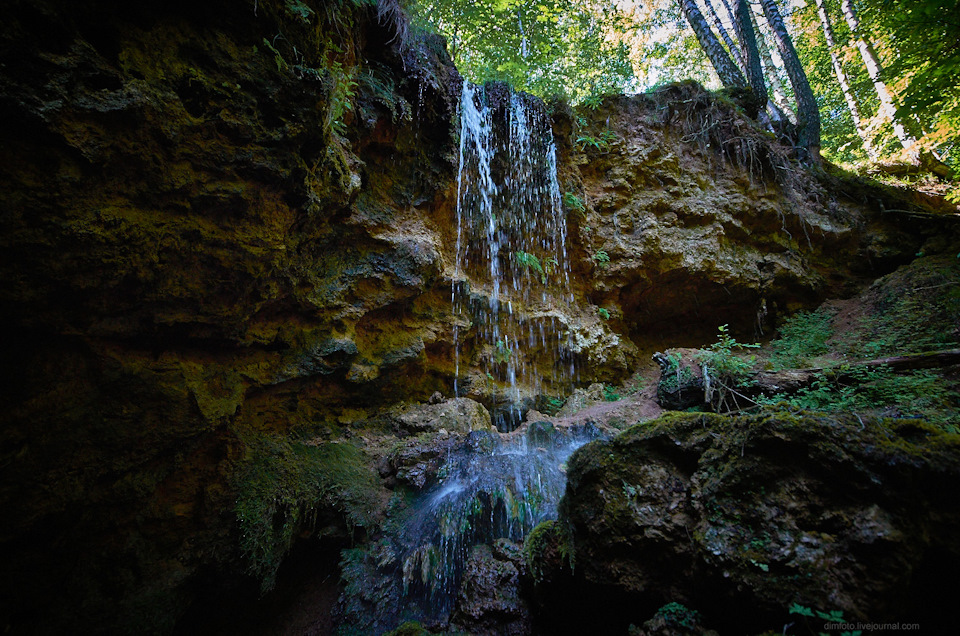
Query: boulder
x: 743, y: 517
x: 489, y: 602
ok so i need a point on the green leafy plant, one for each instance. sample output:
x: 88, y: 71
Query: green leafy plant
x: 574, y: 203
x: 610, y: 394
x: 551, y: 405
x: 532, y: 263
x: 502, y: 353
x: 678, y: 615
x: 833, y: 616
x: 602, y: 142
x: 920, y: 393
x: 724, y: 371
x: 342, y: 90
x: 601, y: 258
x: 299, y: 10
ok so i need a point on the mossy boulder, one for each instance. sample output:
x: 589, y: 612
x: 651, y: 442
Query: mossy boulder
x: 742, y: 516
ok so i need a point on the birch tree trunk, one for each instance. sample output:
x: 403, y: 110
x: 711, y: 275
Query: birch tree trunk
x: 842, y: 79
x: 869, y: 56
x: 808, y: 114
x: 779, y: 99
x: 731, y: 45
x: 730, y: 75
x: 748, y: 44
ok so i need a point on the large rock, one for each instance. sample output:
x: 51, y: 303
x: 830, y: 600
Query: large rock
x: 741, y: 517
x: 694, y: 219
x: 456, y: 415
x: 489, y: 602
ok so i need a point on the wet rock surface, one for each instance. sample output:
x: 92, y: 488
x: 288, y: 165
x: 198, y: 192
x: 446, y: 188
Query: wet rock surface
x: 490, y: 599
x: 741, y: 517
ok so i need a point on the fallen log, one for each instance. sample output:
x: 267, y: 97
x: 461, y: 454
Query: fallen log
x: 792, y: 380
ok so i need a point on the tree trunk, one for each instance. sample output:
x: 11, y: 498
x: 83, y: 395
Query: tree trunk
x: 731, y: 45
x: 869, y: 56
x: 730, y: 75
x: 779, y: 98
x: 842, y: 78
x: 926, y: 159
x: 748, y: 44
x: 808, y: 115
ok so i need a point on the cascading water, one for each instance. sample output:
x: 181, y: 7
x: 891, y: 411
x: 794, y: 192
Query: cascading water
x: 493, y: 488
x: 512, y: 269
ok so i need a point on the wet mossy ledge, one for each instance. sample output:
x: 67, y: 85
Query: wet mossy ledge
x: 743, y: 517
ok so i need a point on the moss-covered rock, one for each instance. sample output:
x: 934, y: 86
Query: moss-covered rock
x: 740, y: 517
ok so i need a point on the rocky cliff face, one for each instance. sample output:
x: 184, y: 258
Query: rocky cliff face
x: 221, y: 224
x: 227, y: 240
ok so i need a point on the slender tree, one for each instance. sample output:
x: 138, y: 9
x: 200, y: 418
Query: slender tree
x: 730, y: 76
x: 725, y: 36
x: 808, y: 115
x: 779, y: 103
x: 751, y: 56
x: 842, y: 79
x: 874, y: 70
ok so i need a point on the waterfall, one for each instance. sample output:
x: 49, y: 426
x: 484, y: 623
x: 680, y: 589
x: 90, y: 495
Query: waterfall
x: 511, y: 267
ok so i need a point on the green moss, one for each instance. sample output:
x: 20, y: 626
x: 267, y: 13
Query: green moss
x: 282, y: 485
x: 549, y: 544
x: 409, y: 628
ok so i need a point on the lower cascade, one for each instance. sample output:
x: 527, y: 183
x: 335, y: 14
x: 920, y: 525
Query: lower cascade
x: 492, y: 490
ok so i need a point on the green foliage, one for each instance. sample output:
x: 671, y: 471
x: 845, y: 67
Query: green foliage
x: 675, y: 375
x: 532, y: 263
x: 601, y: 258
x: 677, y: 615
x: 376, y: 86
x: 281, y: 485
x: 610, y: 394
x: 721, y: 361
x: 833, y: 616
x: 920, y: 393
x: 299, y: 10
x: 910, y: 320
x: 803, y: 336
x: 410, y: 628
x: 342, y: 87
x: 575, y: 203
x: 551, y: 405
x: 724, y: 372
x: 601, y: 143
x: 502, y: 353
x: 549, y: 47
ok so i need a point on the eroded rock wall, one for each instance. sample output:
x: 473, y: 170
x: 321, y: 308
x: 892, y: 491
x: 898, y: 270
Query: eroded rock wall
x: 693, y: 217
x: 221, y: 223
